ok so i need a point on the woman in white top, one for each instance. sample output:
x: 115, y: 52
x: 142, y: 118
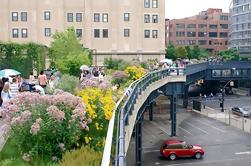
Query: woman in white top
x: 5, y: 94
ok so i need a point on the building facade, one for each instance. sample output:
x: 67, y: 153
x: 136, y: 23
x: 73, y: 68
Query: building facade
x: 209, y: 30
x: 240, y: 27
x: 124, y: 29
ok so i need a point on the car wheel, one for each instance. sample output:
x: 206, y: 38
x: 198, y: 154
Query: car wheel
x: 198, y: 155
x: 172, y: 156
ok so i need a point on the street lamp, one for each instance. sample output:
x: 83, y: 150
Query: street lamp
x: 223, y: 91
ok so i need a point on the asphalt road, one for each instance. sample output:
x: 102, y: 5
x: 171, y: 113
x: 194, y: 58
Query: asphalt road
x: 224, y: 145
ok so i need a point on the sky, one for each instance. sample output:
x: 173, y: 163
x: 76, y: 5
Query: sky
x: 184, y: 8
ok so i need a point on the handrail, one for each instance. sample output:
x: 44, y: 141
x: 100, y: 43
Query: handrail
x: 108, y: 144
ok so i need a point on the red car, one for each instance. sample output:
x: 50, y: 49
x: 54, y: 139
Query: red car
x: 178, y: 148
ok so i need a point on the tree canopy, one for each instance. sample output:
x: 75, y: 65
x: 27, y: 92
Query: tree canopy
x: 230, y: 54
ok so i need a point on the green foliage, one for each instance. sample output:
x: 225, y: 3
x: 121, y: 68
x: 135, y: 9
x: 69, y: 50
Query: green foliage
x: 144, y: 65
x: 68, y: 83
x: 115, y: 64
x: 189, y: 52
x: 67, y: 54
x: 22, y: 57
x: 119, y: 77
x: 85, y: 156
x: 135, y: 72
x: 171, y: 52
x: 230, y: 54
x: 181, y: 53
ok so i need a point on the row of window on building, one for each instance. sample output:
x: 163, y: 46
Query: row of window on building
x: 201, y: 26
x: 241, y: 9
x: 199, y: 42
x: 147, y: 3
x: 79, y: 33
x: 201, y: 34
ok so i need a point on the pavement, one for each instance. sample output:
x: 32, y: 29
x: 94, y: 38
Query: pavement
x: 224, y: 145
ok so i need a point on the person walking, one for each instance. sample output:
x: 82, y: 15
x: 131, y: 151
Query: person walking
x: 42, y: 80
x: 5, y: 94
x: 14, y: 87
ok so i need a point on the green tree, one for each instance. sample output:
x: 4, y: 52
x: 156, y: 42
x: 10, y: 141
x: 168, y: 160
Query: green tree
x: 67, y: 53
x: 170, y: 52
x: 196, y: 52
x: 189, y: 52
x: 181, y: 53
x: 230, y: 54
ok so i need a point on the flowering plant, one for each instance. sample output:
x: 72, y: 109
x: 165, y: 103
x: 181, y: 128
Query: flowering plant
x: 135, y: 72
x: 119, y: 77
x: 99, y: 107
x: 46, y: 126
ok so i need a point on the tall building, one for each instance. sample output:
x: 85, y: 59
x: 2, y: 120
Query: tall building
x: 240, y: 29
x: 209, y: 30
x: 128, y: 29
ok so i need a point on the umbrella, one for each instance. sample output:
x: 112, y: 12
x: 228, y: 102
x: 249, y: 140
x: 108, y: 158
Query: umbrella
x: 8, y: 72
x: 168, y: 61
x: 84, y: 67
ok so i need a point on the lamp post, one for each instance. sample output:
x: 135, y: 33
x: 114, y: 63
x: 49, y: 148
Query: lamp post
x: 223, y: 92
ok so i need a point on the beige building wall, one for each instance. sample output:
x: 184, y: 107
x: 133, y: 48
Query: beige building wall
x: 136, y: 46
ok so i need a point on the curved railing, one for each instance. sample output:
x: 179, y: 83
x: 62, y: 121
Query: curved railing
x: 125, y: 106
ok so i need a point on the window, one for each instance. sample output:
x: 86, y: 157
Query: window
x: 210, y: 42
x: 223, y: 34
x: 47, y: 15
x: 147, y: 33
x: 213, y: 26
x: 96, y: 33
x: 126, y: 16
x: 126, y: 32
x: 179, y: 26
x: 202, y: 34
x: 180, y: 34
x: 105, y: 17
x: 147, y: 18
x: 96, y: 17
x: 14, y: 16
x: 15, y: 33
x: 191, y: 42
x: 78, y: 17
x: 213, y: 34
x: 155, y: 4
x: 147, y: 3
x: 224, y: 26
x: 222, y: 17
x: 105, y: 33
x: 79, y: 33
x: 191, y: 25
x: 202, y: 42
x: 155, y: 18
x: 24, y: 33
x: 155, y: 34
x: 69, y: 17
x: 191, y: 34
x: 24, y: 16
x: 201, y: 26
x: 47, y: 32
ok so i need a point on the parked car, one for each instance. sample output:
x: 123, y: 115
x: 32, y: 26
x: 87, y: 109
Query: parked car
x: 177, y: 148
x: 241, y: 111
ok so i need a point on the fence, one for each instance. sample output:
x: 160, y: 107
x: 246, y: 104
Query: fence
x: 240, y: 122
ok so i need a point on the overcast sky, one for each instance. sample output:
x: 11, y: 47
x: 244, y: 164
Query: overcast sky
x: 186, y: 8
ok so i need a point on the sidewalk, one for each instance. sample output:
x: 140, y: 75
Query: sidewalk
x: 3, y: 130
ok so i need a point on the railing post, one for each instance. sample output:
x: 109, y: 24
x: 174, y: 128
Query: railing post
x: 150, y: 108
x: 173, y: 114
x: 138, y: 140
x: 185, y: 98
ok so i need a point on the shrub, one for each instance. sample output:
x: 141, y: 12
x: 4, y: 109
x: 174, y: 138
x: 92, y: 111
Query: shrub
x: 45, y: 126
x: 85, y: 156
x: 119, y: 77
x: 135, y: 72
x: 99, y: 107
x: 68, y: 84
x: 94, y: 83
x: 115, y: 64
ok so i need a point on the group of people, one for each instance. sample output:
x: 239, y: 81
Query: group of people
x: 9, y: 87
x: 177, y: 64
x: 94, y: 72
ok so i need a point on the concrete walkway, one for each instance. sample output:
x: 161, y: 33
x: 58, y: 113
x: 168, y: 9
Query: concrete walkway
x: 3, y: 129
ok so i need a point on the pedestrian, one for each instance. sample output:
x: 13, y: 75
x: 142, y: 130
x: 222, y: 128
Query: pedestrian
x: 164, y: 66
x: 155, y: 67
x: 42, y: 79
x: 1, y: 88
x: 52, y: 82
x: 39, y: 89
x: 5, y: 94
x: 32, y: 78
x: 14, y: 89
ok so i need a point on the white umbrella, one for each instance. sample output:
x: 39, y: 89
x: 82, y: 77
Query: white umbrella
x: 9, y: 72
x: 84, y: 67
x: 168, y: 61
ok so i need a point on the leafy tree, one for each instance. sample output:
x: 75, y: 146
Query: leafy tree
x: 230, y: 54
x: 170, y: 52
x: 181, y: 53
x: 189, y: 52
x: 196, y: 52
x: 67, y: 53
